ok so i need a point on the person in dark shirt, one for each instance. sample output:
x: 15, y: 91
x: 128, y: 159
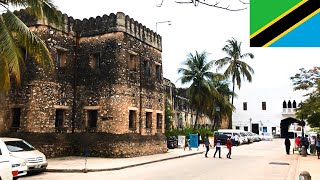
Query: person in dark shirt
x: 207, y: 144
x: 287, y: 144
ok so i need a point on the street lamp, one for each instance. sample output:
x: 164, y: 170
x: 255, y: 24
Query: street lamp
x: 168, y: 22
x: 250, y: 124
x: 216, y: 121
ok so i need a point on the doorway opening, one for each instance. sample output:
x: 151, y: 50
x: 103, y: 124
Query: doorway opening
x: 255, y: 128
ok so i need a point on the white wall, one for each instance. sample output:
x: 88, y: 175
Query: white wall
x: 272, y: 116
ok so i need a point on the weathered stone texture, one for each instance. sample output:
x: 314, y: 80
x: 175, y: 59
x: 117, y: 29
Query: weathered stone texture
x: 98, y: 144
x: 111, y: 88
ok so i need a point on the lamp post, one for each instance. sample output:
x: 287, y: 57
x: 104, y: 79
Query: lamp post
x: 216, y: 123
x: 168, y: 22
x: 250, y: 124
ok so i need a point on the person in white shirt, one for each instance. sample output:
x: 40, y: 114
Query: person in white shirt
x: 217, y: 144
x: 236, y: 139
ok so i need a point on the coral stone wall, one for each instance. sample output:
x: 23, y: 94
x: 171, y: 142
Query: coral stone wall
x: 97, y: 144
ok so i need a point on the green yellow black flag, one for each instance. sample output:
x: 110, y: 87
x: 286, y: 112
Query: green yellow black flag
x: 285, y: 23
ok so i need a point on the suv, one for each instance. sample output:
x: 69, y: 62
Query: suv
x: 18, y: 148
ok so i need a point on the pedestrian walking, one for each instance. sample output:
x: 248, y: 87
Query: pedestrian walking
x: 312, y: 145
x: 207, y: 144
x: 306, y: 143
x: 229, y: 145
x: 217, y: 144
x: 318, y: 145
x: 287, y: 144
x: 236, y: 139
x: 297, y: 144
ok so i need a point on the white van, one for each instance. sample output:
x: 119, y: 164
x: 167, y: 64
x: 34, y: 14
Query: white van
x: 18, y: 148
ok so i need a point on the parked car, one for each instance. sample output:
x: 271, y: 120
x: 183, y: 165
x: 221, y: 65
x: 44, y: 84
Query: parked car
x: 266, y: 136
x: 256, y: 137
x: 245, y: 137
x: 18, y: 148
x: 250, y: 137
x: 5, y: 166
x: 19, y: 166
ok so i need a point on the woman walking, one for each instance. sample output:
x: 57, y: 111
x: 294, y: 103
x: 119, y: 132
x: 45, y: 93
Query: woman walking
x: 318, y: 146
x: 229, y: 145
x: 287, y: 144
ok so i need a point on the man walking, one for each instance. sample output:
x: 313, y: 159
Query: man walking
x: 217, y: 144
x: 236, y: 139
x: 318, y: 145
x: 207, y: 144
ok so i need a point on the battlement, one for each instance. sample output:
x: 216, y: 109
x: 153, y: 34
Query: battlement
x: 100, y: 25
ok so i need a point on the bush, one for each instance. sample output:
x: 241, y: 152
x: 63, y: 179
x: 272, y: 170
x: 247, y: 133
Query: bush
x: 176, y: 132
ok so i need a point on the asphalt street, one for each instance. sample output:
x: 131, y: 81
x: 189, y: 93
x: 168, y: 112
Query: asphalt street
x: 265, y: 160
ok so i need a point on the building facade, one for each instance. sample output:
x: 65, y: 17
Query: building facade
x: 107, y: 77
x: 265, y: 110
x: 183, y: 114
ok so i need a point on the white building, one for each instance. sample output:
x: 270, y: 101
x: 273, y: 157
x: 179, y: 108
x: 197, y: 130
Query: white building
x: 262, y: 110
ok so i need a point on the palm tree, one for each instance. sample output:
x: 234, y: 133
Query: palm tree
x: 236, y: 69
x: 15, y: 35
x: 222, y: 104
x: 197, y: 72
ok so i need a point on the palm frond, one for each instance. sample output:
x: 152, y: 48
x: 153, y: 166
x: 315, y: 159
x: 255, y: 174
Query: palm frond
x: 33, y: 44
x: 10, y: 55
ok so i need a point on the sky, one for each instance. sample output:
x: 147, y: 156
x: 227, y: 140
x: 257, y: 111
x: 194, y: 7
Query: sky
x: 202, y: 28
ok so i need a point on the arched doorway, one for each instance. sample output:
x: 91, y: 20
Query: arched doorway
x: 284, y: 127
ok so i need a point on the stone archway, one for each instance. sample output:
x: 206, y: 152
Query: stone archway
x: 284, y: 127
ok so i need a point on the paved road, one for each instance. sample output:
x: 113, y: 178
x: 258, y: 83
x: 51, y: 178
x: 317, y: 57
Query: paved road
x: 249, y: 162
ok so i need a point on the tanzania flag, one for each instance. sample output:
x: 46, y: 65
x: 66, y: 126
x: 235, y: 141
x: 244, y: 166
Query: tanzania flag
x: 285, y: 23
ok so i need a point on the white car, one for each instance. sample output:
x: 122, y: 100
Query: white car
x: 19, y: 166
x: 18, y: 148
x: 266, y: 136
x: 5, y: 167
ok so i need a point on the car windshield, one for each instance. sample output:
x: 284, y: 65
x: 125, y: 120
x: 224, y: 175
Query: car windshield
x: 243, y: 134
x: 16, y: 146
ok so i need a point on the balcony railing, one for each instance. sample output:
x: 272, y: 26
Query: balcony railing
x: 288, y: 111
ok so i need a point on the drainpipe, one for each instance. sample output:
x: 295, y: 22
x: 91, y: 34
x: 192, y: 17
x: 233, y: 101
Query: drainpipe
x: 140, y: 111
x: 74, y: 84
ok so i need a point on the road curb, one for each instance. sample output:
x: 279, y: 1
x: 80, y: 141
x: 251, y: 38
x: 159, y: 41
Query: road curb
x: 118, y: 168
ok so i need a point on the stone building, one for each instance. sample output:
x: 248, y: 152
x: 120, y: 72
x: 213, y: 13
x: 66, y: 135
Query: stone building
x: 107, y: 78
x: 183, y: 114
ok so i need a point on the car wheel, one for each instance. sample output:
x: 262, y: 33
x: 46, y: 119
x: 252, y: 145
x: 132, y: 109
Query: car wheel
x: 15, y: 178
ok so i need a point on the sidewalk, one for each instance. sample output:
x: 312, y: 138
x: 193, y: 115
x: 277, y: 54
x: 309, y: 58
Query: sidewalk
x: 77, y: 164
x: 310, y: 164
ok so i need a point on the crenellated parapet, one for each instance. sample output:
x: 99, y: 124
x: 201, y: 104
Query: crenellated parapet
x: 100, y: 25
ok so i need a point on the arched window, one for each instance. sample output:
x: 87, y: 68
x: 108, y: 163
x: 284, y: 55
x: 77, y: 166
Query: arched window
x: 284, y: 104
x: 294, y: 104
x: 289, y: 104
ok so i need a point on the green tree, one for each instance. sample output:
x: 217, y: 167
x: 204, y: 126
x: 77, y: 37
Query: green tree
x: 221, y: 102
x: 236, y: 69
x: 168, y: 113
x: 310, y: 108
x: 197, y: 72
x: 15, y: 36
x: 306, y: 79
